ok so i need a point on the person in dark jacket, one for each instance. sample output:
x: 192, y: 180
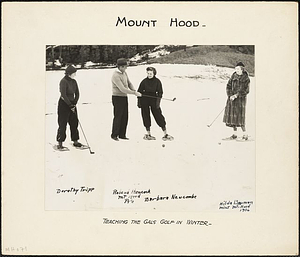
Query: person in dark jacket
x: 237, y: 89
x: 152, y: 91
x: 67, y: 112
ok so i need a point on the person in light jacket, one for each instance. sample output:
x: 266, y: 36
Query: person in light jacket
x: 121, y: 86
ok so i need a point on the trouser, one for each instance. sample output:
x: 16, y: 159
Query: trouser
x: 150, y: 104
x: 65, y: 116
x: 120, y: 121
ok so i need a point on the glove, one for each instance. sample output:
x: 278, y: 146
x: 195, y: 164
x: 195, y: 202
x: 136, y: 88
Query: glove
x: 139, y: 104
x: 233, y: 97
x: 158, y: 103
x: 138, y: 94
x: 73, y: 108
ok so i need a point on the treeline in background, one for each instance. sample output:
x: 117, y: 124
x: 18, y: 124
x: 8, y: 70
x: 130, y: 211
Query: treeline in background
x: 79, y: 54
x: 97, y: 56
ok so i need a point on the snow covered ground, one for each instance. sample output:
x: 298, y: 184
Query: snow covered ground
x: 196, y: 163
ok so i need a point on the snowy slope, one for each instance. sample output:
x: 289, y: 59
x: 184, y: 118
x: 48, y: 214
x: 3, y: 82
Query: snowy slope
x: 197, y: 162
x: 155, y: 53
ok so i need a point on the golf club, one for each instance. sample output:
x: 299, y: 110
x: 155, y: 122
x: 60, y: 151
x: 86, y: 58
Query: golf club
x: 216, y: 117
x: 91, y: 152
x: 160, y: 98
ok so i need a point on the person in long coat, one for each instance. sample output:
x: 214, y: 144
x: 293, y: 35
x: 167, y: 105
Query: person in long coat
x: 237, y: 90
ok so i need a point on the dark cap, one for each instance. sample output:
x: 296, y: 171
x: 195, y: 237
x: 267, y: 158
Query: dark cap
x: 70, y: 70
x: 240, y: 64
x: 122, y: 62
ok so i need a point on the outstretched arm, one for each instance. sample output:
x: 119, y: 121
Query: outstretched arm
x: 130, y: 84
x: 117, y: 81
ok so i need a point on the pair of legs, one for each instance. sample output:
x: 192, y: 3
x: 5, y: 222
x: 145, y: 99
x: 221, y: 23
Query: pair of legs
x: 120, y: 120
x: 148, y: 105
x: 245, y: 136
x: 66, y: 116
x: 242, y: 127
x: 234, y: 116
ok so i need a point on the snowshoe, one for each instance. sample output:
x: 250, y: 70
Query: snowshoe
x: 245, y: 138
x: 149, y: 137
x: 80, y: 146
x: 124, y: 138
x: 60, y: 148
x: 167, y: 138
x: 233, y: 137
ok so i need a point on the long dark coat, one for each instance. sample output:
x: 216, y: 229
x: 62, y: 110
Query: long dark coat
x: 234, y: 115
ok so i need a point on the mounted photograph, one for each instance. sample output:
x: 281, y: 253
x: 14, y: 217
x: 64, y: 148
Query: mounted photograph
x: 150, y: 128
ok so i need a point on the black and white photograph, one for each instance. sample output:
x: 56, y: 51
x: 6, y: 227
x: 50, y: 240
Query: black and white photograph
x: 150, y: 127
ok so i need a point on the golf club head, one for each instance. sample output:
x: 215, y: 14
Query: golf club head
x: 208, y: 126
x: 174, y: 98
x: 92, y: 152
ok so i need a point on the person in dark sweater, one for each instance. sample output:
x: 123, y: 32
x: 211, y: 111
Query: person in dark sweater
x: 67, y: 112
x: 152, y: 91
x: 237, y: 90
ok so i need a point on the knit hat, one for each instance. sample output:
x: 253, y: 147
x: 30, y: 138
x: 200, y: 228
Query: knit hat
x: 121, y: 62
x: 240, y: 64
x: 70, y: 70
